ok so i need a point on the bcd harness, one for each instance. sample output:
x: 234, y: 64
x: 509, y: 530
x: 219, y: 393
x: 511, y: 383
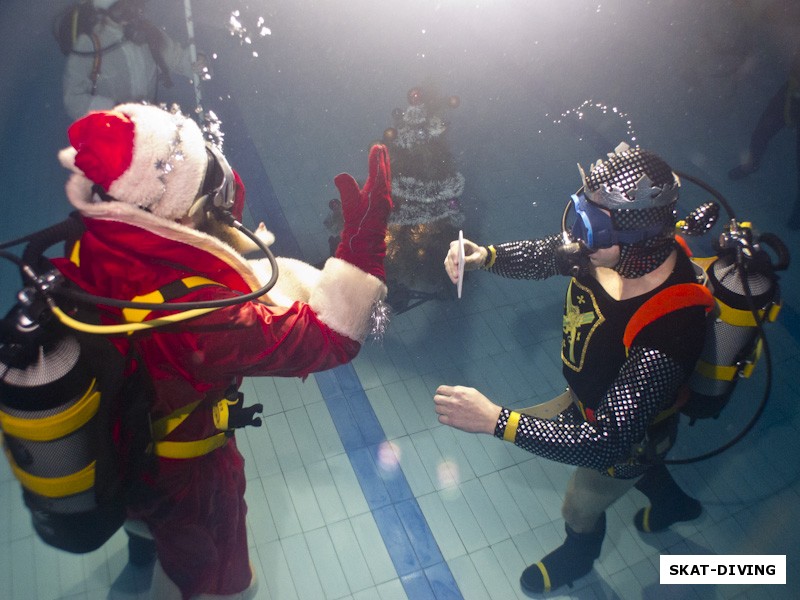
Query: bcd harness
x: 228, y: 413
x: 75, y: 410
x: 24, y: 431
x: 675, y: 297
x: 687, y: 295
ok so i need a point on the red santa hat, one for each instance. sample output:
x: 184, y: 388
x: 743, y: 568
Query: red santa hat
x: 142, y: 155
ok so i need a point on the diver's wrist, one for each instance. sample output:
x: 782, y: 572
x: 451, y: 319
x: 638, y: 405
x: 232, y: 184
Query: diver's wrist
x: 489, y: 256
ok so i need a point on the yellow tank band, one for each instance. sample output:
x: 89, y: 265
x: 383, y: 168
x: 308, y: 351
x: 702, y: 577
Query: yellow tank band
x: 737, y: 317
x: 774, y: 311
x: 54, y: 487
x: 723, y: 372
x: 730, y: 372
x: 720, y: 372
x: 55, y: 426
x: 191, y: 449
x: 510, y: 433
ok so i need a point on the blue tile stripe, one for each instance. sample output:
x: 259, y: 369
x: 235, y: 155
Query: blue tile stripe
x: 409, y: 540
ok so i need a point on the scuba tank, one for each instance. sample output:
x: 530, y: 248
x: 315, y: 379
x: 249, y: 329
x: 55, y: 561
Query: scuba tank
x: 52, y: 421
x: 71, y: 22
x: 744, y: 284
x: 74, y: 411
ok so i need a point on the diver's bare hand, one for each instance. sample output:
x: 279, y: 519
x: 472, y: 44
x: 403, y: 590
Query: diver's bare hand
x: 466, y: 409
x: 474, y: 258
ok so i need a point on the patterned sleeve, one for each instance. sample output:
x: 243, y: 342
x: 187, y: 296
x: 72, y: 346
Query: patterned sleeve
x: 526, y: 259
x: 647, y: 382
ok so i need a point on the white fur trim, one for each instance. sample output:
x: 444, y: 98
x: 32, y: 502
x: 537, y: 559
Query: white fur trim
x: 264, y: 234
x: 169, y: 162
x: 296, y: 279
x: 79, y: 193
x: 67, y: 158
x: 344, y: 297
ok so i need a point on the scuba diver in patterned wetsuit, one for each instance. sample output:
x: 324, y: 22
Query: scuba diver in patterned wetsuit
x: 615, y: 416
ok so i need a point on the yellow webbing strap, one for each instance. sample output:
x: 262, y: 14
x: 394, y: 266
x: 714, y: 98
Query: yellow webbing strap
x: 75, y: 253
x: 166, y: 425
x: 735, y: 316
x: 774, y: 311
x: 191, y: 449
x: 730, y: 372
x: 721, y: 372
x: 744, y: 318
x: 55, y: 426
x: 183, y: 449
x: 54, y: 487
x: 176, y: 289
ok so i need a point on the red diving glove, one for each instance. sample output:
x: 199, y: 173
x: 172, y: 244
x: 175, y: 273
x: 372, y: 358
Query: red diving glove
x: 365, y: 213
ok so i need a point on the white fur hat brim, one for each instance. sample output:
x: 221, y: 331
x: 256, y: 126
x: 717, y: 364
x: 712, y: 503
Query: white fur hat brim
x: 168, y: 162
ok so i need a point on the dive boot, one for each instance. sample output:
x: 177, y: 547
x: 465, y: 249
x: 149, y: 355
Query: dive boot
x: 668, y: 502
x: 570, y: 561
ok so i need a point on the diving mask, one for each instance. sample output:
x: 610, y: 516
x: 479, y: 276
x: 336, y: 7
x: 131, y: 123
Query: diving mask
x: 219, y: 185
x: 595, y: 227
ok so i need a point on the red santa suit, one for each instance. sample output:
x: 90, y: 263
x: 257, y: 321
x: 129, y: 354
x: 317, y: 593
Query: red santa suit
x: 310, y: 321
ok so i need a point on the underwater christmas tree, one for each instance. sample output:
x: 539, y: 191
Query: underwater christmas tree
x: 426, y: 190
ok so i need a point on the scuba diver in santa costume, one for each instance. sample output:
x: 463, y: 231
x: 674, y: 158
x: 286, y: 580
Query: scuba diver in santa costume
x: 611, y: 423
x: 156, y: 201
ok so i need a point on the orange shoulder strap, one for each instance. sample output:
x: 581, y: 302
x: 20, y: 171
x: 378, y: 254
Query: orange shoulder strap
x: 675, y: 297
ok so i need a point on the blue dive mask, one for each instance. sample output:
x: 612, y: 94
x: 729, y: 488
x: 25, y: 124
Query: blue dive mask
x: 595, y: 228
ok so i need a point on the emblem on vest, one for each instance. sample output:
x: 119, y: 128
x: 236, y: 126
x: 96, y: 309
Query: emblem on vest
x: 582, y: 317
